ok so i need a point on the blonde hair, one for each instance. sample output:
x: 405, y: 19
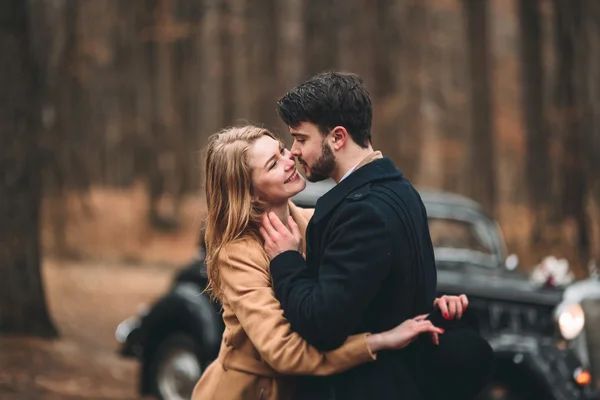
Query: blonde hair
x: 231, y: 212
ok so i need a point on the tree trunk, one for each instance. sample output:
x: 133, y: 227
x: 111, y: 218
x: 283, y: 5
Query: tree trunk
x: 431, y: 168
x: 591, y: 89
x: 569, y: 111
x: 480, y: 160
x: 210, y: 53
x: 264, y: 62
x: 290, y: 49
x: 239, y: 61
x: 410, y: 123
x: 537, y: 152
x: 23, y: 308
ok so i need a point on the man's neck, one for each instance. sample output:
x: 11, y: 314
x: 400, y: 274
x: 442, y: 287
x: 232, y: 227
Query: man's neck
x: 349, y: 160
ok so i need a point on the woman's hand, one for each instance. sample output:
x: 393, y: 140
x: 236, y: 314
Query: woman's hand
x: 403, y: 334
x: 452, y: 306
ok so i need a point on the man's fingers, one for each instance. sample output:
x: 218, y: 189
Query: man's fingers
x: 268, y: 226
x: 277, y: 225
x: 420, y: 317
x: 265, y: 236
x: 294, y: 228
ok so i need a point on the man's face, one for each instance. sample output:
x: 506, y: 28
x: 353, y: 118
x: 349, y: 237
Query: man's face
x: 313, y: 151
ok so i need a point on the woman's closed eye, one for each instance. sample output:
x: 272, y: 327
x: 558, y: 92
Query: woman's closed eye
x: 281, y: 151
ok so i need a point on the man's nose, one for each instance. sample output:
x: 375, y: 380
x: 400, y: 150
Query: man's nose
x: 290, y: 162
x: 288, y: 154
x: 295, y: 151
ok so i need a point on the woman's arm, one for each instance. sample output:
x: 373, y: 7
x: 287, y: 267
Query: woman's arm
x: 246, y: 286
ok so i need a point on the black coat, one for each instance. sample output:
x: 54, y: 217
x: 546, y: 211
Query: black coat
x: 369, y: 266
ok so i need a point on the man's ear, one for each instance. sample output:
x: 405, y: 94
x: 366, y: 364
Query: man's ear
x: 339, y: 135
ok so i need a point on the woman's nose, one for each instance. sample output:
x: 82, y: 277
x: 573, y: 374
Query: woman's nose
x: 289, y: 159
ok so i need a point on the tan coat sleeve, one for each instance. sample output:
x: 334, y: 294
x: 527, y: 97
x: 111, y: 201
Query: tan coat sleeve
x: 246, y: 286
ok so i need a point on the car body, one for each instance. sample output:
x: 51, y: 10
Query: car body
x: 180, y: 334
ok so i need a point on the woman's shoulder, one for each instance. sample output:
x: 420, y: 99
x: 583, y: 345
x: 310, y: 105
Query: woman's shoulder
x: 244, y: 248
x: 300, y: 213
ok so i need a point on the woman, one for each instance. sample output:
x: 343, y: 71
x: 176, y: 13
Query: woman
x: 248, y: 171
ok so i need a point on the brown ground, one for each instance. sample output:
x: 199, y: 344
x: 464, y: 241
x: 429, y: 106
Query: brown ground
x: 87, y: 301
x: 117, y: 262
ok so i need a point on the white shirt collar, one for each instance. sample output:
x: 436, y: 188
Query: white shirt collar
x: 349, y: 171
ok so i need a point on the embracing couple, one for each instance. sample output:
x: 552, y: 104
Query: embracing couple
x: 336, y: 302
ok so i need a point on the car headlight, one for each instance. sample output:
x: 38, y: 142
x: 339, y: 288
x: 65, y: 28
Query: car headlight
x: 571, y: 321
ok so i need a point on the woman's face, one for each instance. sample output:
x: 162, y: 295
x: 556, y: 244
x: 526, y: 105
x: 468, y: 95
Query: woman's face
x: 274, y: 173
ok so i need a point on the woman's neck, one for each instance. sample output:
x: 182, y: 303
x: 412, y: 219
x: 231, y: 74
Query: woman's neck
x: 282, y: 211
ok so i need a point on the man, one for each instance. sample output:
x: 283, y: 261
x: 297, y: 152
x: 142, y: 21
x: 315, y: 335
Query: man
x: 369, y: 258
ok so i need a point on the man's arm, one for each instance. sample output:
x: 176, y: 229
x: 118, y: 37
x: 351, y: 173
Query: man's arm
x: 326, y: 309
x: 247, y: 288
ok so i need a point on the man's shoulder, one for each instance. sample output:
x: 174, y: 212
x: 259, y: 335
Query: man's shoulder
x: 364, y: 202
x: 385, y: 198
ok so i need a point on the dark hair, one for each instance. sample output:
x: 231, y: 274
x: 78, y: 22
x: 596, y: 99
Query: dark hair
x: 327, y: 100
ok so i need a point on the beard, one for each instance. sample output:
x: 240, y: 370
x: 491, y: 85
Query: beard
x: 323, y: 167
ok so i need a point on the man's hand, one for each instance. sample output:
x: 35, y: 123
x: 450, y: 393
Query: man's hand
x: 278, y: 238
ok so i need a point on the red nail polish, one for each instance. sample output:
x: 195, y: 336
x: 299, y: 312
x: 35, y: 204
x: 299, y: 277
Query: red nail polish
x: 446, y: 316
x: 443, y: 330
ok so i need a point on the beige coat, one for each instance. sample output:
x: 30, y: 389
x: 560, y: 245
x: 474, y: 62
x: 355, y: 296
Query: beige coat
x: 259, y: 351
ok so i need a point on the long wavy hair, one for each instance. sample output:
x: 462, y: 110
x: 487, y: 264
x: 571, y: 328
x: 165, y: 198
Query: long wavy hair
x: 232, y: 212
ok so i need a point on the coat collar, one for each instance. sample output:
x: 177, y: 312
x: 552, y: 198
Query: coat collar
x: 378, y: 169
x: 376, y: 155
x: 301, y: 220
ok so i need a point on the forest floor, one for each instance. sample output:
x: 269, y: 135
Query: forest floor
x: 87, y: 301
x: 107, y: 263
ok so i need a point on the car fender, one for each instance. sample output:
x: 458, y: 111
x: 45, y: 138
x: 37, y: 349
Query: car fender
x: 552, y: 368
x: 185, y: 308
x: 585, y: 289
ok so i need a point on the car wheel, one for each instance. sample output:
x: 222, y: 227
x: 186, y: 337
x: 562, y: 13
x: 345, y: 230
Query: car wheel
x: 176, y: 368
x: 498, y: 390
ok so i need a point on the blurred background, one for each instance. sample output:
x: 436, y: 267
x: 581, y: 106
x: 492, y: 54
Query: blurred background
x: 107, y: 105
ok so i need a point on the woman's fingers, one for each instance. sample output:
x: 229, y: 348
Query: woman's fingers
x: 443, y: 306
x: 452, y: 308
x: 464, y: 300
x: 421, y: 317
x: 427, y: 326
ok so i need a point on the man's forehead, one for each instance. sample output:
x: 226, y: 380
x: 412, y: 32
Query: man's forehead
x: 304, y: 129
x: 301, y: 130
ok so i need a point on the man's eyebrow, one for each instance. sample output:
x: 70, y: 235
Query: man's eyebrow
x: 294, y: 134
